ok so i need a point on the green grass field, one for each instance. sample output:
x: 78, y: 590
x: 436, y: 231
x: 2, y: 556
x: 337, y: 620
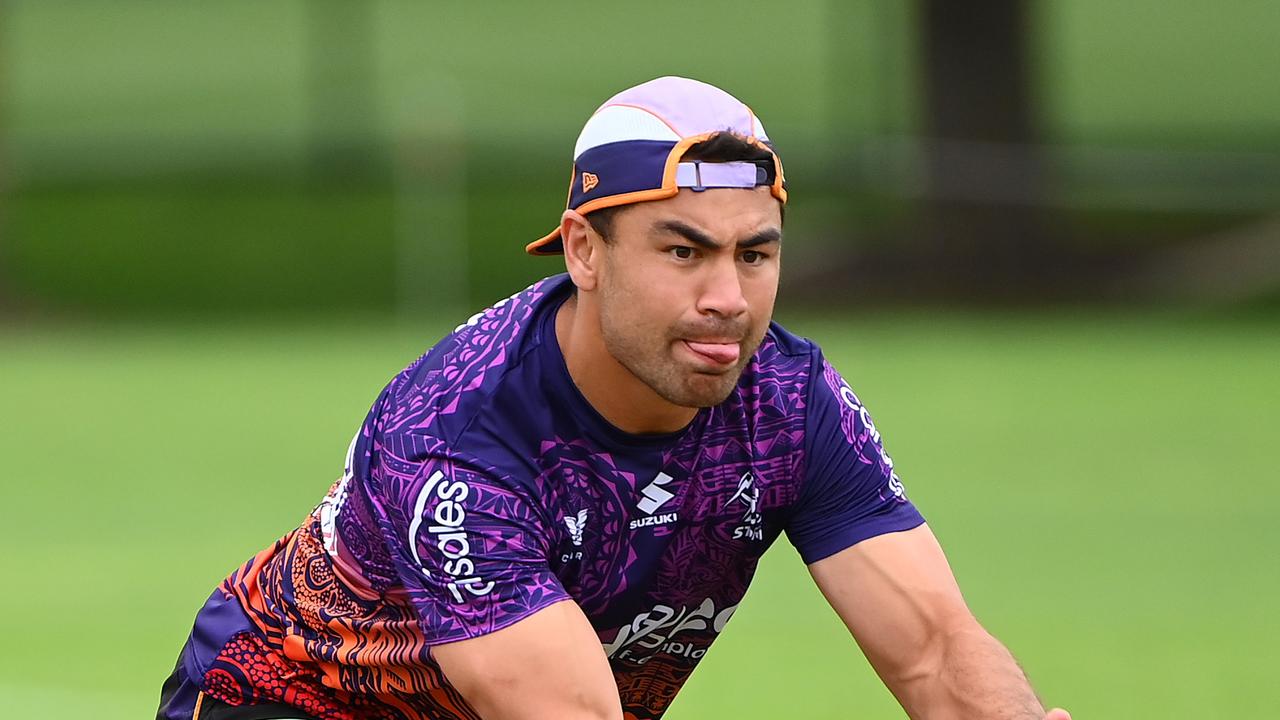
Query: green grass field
x: 1106, y: 488
x: 1106, y: 485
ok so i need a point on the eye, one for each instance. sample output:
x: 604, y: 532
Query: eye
x: 753, y: 257
x: 682, y: 252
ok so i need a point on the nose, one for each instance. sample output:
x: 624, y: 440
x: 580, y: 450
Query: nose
x: 722, y: 290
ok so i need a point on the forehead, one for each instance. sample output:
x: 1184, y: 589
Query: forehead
x: 721, y: 212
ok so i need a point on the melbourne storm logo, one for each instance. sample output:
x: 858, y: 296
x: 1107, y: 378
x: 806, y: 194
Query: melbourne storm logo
x: 748, y: 496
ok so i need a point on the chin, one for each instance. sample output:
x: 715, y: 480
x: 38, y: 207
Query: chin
x: 714, y: 390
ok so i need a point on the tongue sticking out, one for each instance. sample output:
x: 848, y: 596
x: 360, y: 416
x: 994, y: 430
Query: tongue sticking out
x: 722, y: 353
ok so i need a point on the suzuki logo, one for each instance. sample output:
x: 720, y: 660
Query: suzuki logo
x: 655, y: 496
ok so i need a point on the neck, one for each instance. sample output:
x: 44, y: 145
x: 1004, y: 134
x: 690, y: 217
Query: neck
x: 619, y: 396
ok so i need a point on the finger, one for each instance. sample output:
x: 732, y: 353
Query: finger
x: 1058, y: 714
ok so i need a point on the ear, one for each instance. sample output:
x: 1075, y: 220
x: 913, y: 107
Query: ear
x: 583, y: 250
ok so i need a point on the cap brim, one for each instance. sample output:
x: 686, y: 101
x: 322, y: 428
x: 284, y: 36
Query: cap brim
x: 548, y: 244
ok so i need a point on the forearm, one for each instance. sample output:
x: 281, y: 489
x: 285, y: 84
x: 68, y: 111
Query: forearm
x: 967, y: 676
x: 896, y: 594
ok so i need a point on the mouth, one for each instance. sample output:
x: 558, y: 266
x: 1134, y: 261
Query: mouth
x: 717, y: 353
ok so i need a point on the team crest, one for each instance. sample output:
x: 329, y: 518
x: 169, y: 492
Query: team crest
x: 748, y: 497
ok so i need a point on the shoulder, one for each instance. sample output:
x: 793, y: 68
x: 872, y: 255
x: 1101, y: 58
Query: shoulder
x: 790, y: 374
x: 784, y: 364
x: 772, y: 404
x: 783, y: 352
x: 440, y: 394
x: 780, y: 343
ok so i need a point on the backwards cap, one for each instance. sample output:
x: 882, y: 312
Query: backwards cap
x: 630, y: 149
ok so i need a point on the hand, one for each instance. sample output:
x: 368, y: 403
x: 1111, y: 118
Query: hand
x: 1058, y: 714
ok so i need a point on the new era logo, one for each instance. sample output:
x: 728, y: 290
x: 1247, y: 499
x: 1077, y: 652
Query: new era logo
x: 589, y: 181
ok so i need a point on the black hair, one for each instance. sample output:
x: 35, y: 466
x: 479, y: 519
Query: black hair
x: 724, y: 146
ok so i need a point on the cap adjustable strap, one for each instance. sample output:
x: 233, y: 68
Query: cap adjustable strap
x: 699, y: 176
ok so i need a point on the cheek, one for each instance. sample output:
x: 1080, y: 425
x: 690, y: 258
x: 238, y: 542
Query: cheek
x: 626, y: 311
x: 647, y: 297
x: 762, y: 291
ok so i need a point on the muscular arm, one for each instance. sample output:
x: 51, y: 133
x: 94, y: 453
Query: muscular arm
x: 898, y: 597
x: 549, y: 665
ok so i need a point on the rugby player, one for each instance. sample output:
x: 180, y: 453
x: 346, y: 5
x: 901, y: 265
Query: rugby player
x: 554, y: 512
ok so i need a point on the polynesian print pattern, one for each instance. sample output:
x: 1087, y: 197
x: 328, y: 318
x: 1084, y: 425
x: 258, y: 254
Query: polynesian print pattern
x: 578, y: 477
x: 474, y: 550
x: 743, y: 469
x: 743, y: 465
x: 429, y: 543
x: 366, y: 658
x: 477, y: 347
x: 368, y: 654
x: 414, y: 476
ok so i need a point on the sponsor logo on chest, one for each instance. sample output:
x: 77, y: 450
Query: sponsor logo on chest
x: 576, y: 524
x: 653, y: 497
x: 654, y: 632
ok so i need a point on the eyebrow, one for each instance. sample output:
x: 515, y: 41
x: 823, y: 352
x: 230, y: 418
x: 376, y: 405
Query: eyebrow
x: 705, y: 241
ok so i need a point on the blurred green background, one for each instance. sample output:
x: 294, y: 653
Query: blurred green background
x: 1041, y: 239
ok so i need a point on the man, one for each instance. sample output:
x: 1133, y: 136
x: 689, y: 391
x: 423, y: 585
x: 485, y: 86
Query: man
x: 554, y: 512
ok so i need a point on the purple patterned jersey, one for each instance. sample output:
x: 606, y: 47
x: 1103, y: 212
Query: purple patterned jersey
x: 483, y: 487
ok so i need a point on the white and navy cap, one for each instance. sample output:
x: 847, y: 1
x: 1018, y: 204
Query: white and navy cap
x: 630, y: 150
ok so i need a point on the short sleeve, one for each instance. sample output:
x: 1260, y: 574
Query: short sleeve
x: 470, y: 549
x: 850, y: 491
